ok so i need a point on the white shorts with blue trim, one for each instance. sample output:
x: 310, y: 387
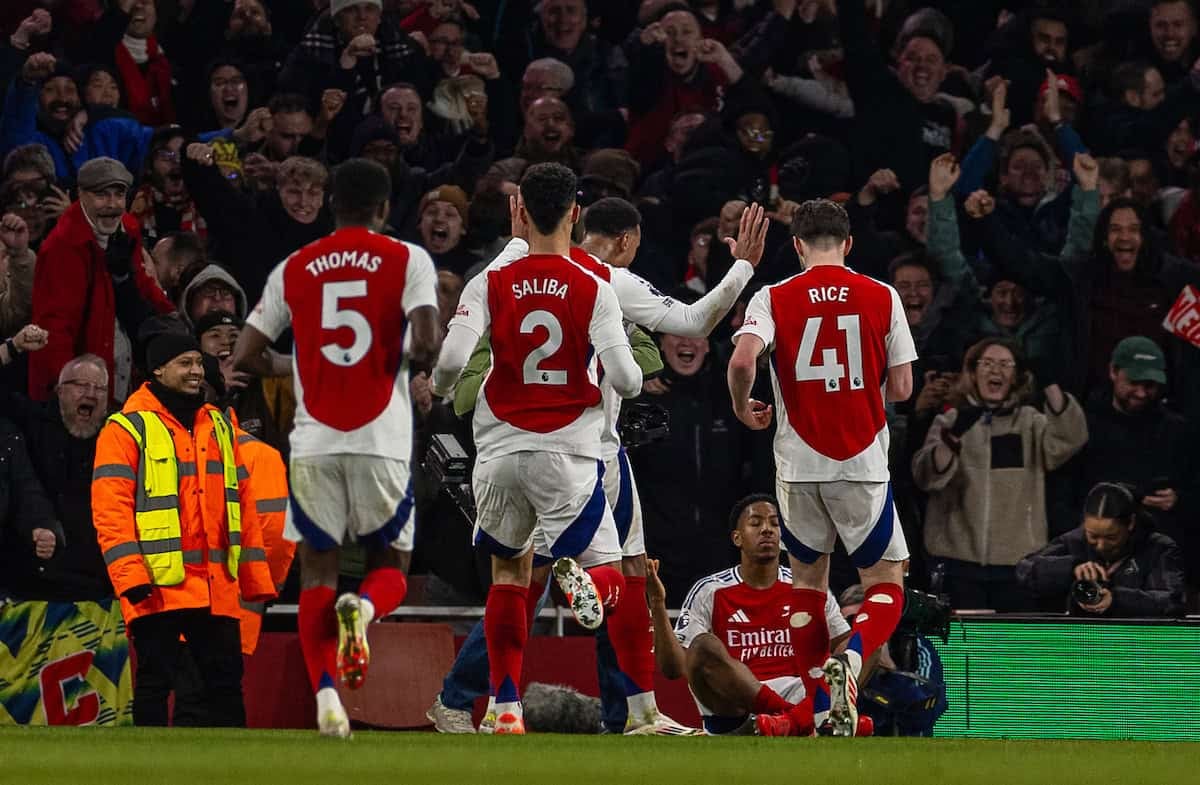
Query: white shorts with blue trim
x: 360, y: 498
x: 621, y: 492
x: 862, y: 514
x: 552, y: 499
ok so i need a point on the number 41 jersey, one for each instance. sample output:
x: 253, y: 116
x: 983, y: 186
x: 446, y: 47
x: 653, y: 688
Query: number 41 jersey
x: 832, y: 333
x: 549, y: 319
x: 347, y: 297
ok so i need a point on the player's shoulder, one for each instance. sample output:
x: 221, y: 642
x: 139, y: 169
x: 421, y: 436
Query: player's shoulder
x: 708, y: 586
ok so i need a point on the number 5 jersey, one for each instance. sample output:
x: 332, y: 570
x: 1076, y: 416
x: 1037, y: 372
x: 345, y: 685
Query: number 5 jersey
x: 347, y: 297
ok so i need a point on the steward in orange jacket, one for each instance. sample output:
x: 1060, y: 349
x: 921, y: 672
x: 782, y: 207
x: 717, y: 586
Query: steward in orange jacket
x: 266, y: 495
x: 167, y: 502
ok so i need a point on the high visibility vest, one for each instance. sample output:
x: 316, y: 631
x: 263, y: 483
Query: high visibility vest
x: 156, y: 508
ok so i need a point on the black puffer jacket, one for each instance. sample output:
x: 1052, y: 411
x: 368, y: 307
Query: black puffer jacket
x: 1149, y: 582
x: 23, y: 508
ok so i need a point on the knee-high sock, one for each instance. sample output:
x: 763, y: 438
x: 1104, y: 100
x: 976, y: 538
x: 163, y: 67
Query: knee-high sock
x: 875, y: 622
x: 317, y: 624
x: 504, y: 624
x: 632, y: 639
x: 810, y: 639
x: 610, y: 585
x: 768, y: 701
x: 532, y: 596
x: 384, y: 588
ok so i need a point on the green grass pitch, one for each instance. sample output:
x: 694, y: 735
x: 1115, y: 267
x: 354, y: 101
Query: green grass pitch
x: 133, y: 756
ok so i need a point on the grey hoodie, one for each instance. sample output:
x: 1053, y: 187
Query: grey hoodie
x: 209, y: 273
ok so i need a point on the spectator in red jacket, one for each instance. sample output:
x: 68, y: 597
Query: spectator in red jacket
x: 90, y: 289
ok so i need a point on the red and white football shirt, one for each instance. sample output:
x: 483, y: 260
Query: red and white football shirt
x: 754, y: 624
x: 548, y: 320
x: 347, y: 297
x: 833, y: 334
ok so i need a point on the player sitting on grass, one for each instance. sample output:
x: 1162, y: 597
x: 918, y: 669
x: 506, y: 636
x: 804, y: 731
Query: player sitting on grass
x: 733, y: 637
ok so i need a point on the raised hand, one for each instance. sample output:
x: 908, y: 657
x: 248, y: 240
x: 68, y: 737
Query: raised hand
x: 1087, y: 171
x: 1001, y: 117
x: 979, y: 204
x: 752, y: 235
x: 14, y: 233
x: 944, y: 172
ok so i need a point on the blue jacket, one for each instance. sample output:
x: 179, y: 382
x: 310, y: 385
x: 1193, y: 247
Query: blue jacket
x: 122, y: 138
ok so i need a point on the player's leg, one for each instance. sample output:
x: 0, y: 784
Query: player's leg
x: 808, y: 535
x: 865, y: 516
x: 381, y: 520
x: 504, y: 526
x: 317, y: 516
x: 724, y: 685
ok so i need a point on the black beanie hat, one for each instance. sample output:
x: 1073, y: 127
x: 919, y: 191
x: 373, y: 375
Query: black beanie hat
x: 166, y: 347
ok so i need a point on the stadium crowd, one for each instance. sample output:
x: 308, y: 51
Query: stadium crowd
x: 1025, y: 174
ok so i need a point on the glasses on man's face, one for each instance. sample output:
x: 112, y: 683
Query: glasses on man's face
x: 988, y: 364
x: 237, y: 83
x: 86, y: 387
x: 170, y: 156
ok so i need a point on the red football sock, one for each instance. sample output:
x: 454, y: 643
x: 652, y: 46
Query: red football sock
x: 610, y: 584
x: 632, y: 638
x: 504, y: 626
x: 532, y: 595
x: 768, y: 701
x: 801, y: 715
x: 810, y: 640
x: 876, y: 619
x: 317, y: 625
x: 385, y: 587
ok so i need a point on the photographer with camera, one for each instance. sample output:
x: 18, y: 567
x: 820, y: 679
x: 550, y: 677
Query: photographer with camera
x: 1113, y: 564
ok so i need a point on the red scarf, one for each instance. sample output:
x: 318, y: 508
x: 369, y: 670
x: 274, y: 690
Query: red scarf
x: 148, y: 91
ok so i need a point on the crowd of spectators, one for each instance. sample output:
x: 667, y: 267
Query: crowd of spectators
x: 1024, y: 172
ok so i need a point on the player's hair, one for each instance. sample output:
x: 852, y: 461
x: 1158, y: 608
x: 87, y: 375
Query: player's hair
x: 548, y: 191
x: 821, y: 223
x: 1115, y: 170
x: 287, y: 103
x: 741, y: 505
x: 360, y: 186
x: 611, y: 216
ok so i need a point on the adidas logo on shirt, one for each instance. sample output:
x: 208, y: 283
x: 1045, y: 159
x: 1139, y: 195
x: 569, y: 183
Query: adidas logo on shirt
x: 739, y: 617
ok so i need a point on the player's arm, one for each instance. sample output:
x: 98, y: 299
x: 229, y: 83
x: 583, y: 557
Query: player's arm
x: 420, y: 309
x: 607, y: 334
x: 698, y: 319
x: 668, y: 654
x: 265, y: 323
x: 899, y: 383
x: 901, y: 351
x: 470, y: 323
x: 757, y: 332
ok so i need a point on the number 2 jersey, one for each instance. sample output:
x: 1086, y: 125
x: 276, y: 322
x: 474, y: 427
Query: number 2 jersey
x: 832, y: 334
x: 347, y: 297
x: 548, y: 319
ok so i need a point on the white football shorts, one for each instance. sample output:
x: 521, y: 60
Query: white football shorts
x: 554, y: 498
x: 861, y: 513
x: 621, y: 492
x: 361, y: 498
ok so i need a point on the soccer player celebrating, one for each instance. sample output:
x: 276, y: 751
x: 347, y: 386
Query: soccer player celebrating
x: 612, y: 233
x: 538, y: 423
x: 733, y: 637
x: 840, y: 347
x: 363, y: 309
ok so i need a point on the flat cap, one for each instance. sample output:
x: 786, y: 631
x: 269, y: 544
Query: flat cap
x: 99, y: 173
